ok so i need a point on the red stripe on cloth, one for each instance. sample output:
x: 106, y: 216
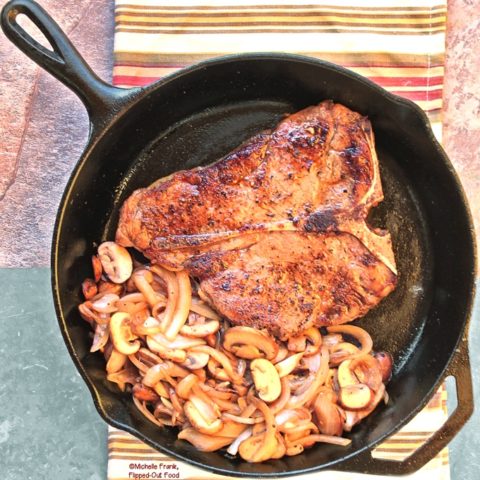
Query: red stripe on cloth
x: 346, y: 65
x: 133, y: 81
x: 384, y: 81
x: 153, y: 65
x: 420, y: 95
x: 408, y: 81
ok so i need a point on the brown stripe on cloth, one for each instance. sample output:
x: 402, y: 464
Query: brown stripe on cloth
x: 259, y: 16
x: 181, y: 29
x: 327, y: 7
x: 375, y: 22
x: 374, y: 59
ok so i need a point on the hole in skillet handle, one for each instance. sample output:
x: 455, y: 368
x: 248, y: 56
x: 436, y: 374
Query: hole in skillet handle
x: 63, y: 61
x: 459, y: 369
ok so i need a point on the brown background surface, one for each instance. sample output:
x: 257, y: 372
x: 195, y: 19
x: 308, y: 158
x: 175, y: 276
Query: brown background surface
x: 43, y: 126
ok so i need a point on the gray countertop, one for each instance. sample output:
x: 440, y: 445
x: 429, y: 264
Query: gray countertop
x: 49, y: 427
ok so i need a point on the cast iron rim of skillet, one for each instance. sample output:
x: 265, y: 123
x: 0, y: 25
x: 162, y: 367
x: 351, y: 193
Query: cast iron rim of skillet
x: 437, y: 225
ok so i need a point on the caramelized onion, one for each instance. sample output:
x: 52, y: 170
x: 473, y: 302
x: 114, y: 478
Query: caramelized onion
x: 358, y: 333
x: 171, y: 282
x: 189, y: 369
x: 233, y: 448
x: 202, y: 442
x: 182, y: 308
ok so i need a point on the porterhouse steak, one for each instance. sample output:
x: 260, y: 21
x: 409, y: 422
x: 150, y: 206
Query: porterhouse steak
x: 276, y: 230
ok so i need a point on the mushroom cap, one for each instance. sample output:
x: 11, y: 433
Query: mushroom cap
x: 266, y: 379
x: 116, y: 261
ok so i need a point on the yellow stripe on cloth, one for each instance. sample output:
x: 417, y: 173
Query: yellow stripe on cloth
x: 397, y: 43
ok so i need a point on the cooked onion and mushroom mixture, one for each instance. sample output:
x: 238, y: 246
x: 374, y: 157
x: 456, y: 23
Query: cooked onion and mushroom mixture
x: 223, y: 386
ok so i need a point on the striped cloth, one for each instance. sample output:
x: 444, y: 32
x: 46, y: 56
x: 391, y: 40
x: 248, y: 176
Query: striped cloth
x: 397, y: 43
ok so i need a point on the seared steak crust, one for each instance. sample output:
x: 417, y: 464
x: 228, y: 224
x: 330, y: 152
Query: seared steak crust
x: 275, y: 231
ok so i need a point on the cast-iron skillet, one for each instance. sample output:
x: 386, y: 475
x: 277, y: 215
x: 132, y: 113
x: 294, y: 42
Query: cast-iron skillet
x: 196, y: 116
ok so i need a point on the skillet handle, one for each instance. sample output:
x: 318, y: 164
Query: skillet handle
x: 64, y: 62
x: 459, y: 368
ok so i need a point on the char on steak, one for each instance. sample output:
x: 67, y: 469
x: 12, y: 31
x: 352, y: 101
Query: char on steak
x: 276, y: 230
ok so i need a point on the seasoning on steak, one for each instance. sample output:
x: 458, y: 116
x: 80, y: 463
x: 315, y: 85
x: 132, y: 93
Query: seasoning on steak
x: 276, y: 230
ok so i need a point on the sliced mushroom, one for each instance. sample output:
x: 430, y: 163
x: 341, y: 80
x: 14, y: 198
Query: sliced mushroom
x: 203, y: 416
x: 314, y: 340
x: 249, y: 343
x: 287, y: 366
x: 355, y: 397
x: 385, y: 362
x: 367, y: 370
x: 122, y: 337
x: 352, y: 417
x: 345, y: 376
x: 195, y: 360
x: 116, y: 261
x: 266, y: 379
x: 116, y: 361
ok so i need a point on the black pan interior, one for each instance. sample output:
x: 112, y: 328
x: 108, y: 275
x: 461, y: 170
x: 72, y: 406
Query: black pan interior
x: 199, y: 116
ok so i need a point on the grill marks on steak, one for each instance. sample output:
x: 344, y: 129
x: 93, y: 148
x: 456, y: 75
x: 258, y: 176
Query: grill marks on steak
x: 275, y: 231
